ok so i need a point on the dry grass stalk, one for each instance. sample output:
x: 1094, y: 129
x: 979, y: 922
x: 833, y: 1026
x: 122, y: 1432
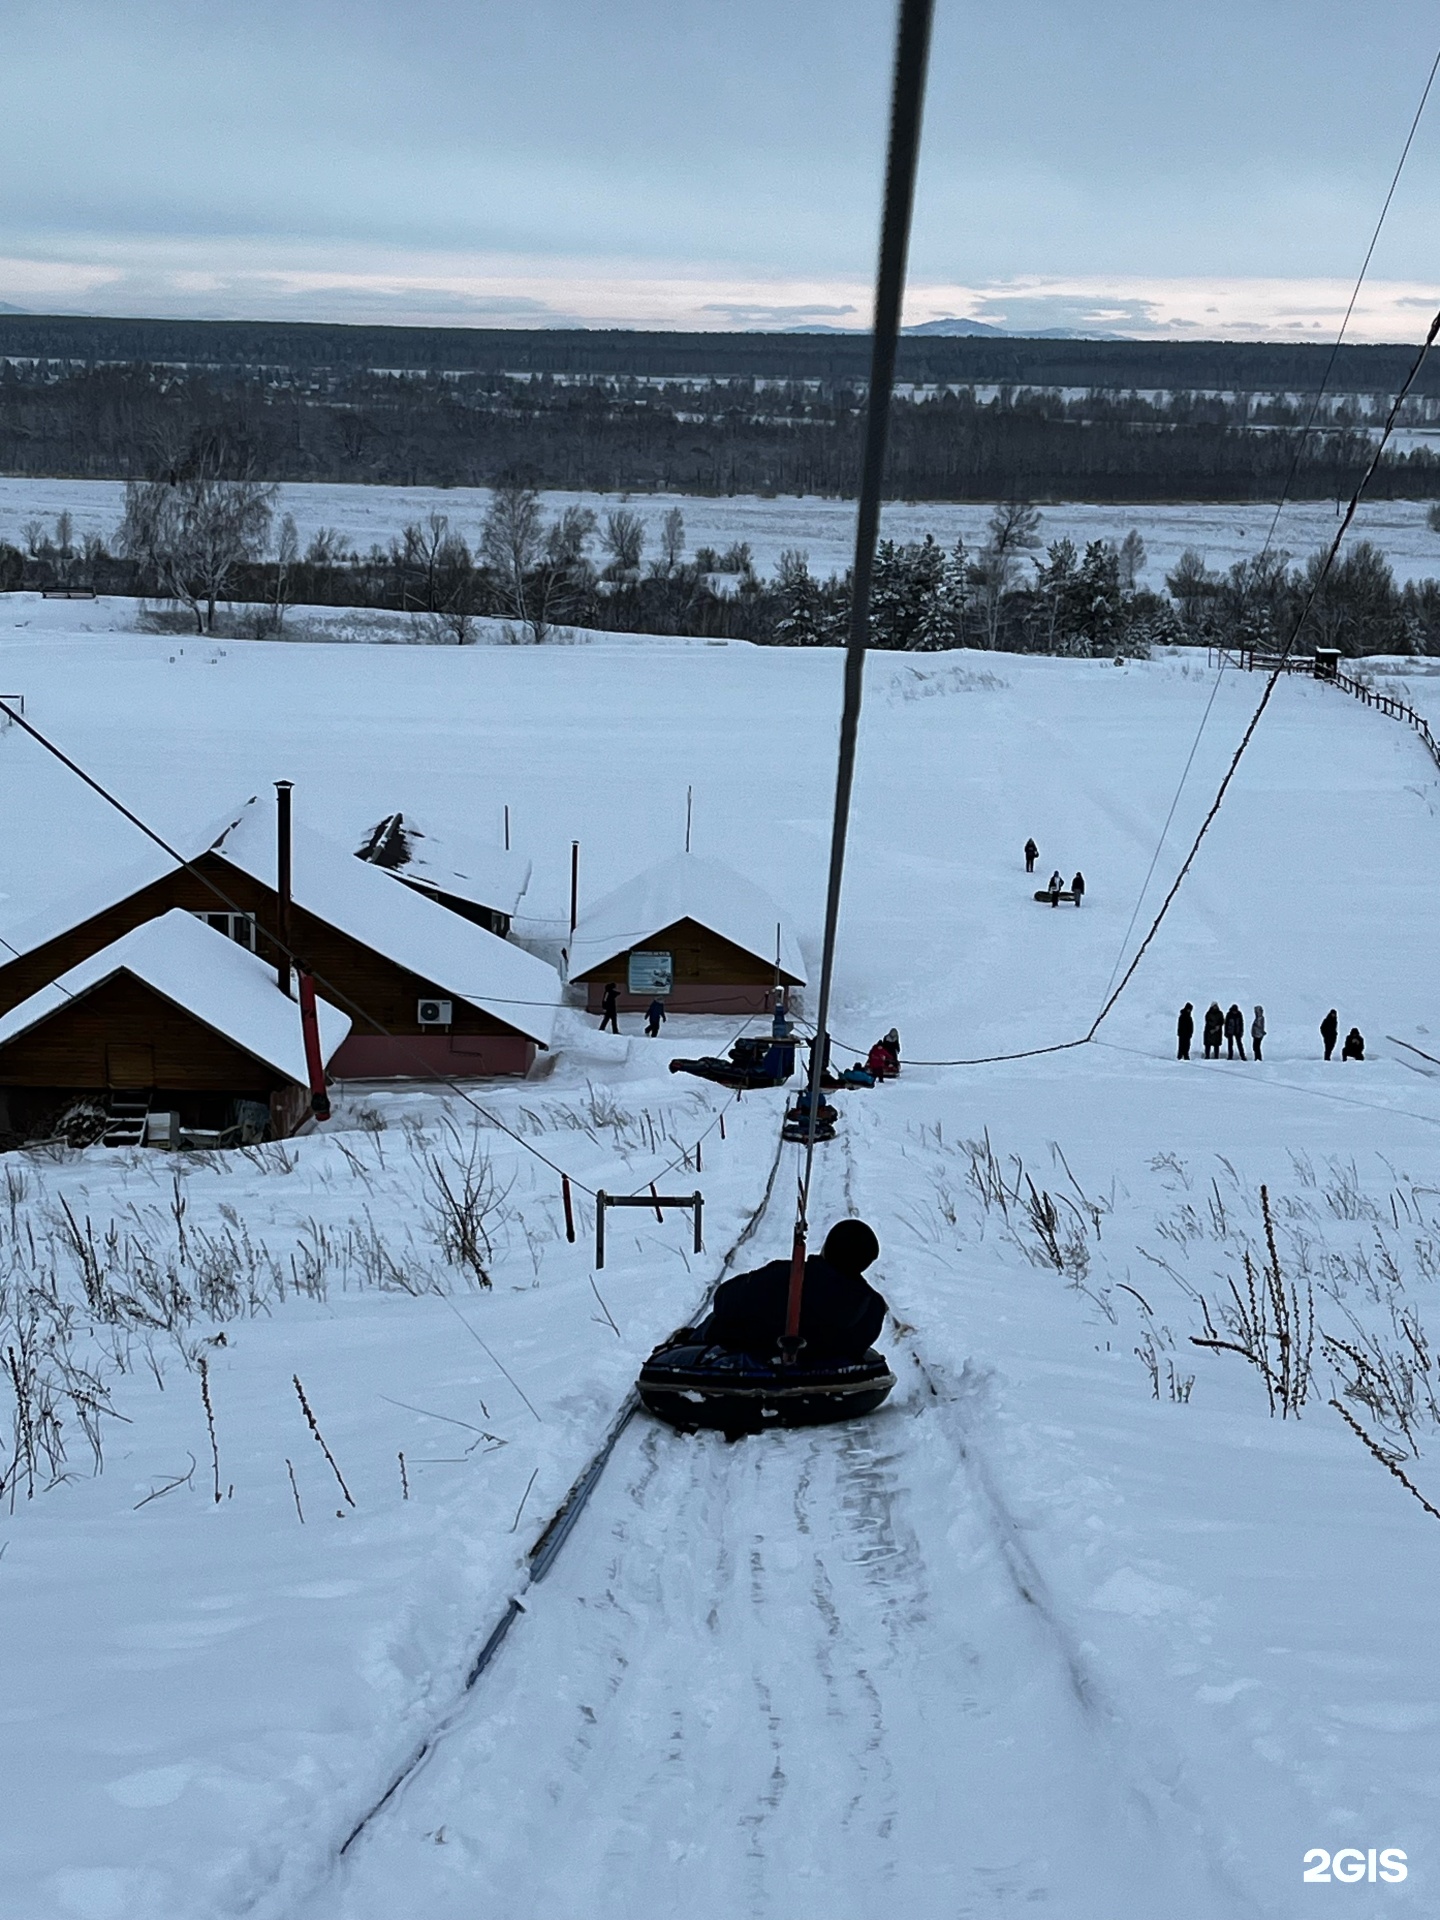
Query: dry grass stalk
x: 314, y: 1425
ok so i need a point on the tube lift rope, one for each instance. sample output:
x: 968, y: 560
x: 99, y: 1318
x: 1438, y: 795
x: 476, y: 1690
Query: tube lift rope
x: 685, y: 1381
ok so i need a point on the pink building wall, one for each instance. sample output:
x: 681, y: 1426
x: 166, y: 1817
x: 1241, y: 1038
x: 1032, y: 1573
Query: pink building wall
x: 374, y: 1056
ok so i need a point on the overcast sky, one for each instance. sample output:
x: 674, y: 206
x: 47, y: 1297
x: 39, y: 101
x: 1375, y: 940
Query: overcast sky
x: 1211, y: 166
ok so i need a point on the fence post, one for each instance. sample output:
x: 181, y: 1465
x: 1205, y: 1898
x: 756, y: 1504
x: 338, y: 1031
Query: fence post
x: 600, y: 1229
x: 569, y: 1209
x: 699, y: 1235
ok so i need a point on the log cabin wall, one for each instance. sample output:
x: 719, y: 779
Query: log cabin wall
x: 712, y: 974
x: 125, y: 1035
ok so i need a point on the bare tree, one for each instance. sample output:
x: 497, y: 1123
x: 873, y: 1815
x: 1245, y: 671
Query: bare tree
x: 287, y: 556
x: 623, y: 538
x: 64, y: 546
x: 511, y: 541
x: 1013, y: 530
x: 540, y: 568
x: 192, y: 530
x: 672, y: 538
x: 1132, y: 560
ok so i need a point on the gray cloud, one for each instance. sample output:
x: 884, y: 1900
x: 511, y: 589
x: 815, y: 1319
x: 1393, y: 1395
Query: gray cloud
x: 1135, y: 140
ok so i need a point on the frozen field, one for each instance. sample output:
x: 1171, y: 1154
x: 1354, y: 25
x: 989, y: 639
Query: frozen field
x: 825, y: 529
x: 1036, y: 1638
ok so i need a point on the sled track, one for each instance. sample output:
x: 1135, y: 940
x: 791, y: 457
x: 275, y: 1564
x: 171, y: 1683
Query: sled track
x: 553, y: 1536
x: 790, y: 1678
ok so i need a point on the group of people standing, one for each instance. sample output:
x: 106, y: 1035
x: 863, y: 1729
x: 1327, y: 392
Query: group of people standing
x: 1056, y: 887
x: 1228, y: 1029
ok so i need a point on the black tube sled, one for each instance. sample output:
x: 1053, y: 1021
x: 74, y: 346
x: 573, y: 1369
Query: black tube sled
x: 797, y: 1121
x: 689, y: 1384
x: 752, y: 1063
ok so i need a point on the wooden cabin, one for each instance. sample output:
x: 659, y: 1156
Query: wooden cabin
x: 170, y: 1022
x: 453, y: 998
x: 482, y: 884
x: 726, y: 942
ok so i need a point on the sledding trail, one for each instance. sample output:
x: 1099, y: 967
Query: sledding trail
x: 790, y: 1677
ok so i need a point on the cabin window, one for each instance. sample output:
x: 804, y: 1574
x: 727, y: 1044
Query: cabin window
x: 235, y: 926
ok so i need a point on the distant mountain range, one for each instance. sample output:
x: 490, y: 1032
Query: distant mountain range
x: 955, y: 327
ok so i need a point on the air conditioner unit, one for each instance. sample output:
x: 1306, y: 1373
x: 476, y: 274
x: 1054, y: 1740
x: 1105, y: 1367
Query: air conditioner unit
x: 434, y: 1013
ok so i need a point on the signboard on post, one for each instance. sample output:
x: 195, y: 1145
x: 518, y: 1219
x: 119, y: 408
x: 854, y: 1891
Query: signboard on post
x: 651, y: 973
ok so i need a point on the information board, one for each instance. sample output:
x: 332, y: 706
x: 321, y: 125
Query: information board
x: 651, y: 973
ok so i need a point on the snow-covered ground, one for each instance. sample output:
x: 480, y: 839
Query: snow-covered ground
x: 825, y: 529
x: 1030, y: 1639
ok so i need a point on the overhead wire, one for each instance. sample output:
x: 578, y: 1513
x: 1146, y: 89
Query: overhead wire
x: 902, y: 163
x: 1284, y: 498
x: 1113, y: 990
x: 335, y: 993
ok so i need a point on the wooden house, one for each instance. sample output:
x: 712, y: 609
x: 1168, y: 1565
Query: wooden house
x: 449, y: 997
x: 480, y: 883
x: 723, y: 942
x: 170, y: 1020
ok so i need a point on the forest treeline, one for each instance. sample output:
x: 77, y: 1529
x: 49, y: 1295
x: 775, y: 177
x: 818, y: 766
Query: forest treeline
x: 717, y: 437
x: 277, y: 348
x: 212, y: 543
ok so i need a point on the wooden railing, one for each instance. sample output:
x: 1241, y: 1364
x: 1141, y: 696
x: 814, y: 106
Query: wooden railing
x: 1387, y: 703
x: 1252, y: 661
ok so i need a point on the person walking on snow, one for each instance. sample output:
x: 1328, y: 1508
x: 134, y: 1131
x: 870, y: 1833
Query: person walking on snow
x: 1057, y: 887
x: 1032, y: 854
x: 1184, y: 1031
x: 654, y: 1014
x: 1330, y: 1031
x: 1354, y: 1047
x: 610, y: 1008
x: 1214, y: 1030
x: 1077, y: 887
x: 1234, y: 1032
x: 1257, y: 1030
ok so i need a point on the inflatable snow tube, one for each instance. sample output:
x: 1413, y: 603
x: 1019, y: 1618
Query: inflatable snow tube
x: 689, y: 1384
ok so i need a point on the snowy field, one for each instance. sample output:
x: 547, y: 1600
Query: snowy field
x: 825, y: 529
x: 1073, y: 1626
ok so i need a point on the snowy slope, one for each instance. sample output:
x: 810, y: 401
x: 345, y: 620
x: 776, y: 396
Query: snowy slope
x: 1031, y: 1639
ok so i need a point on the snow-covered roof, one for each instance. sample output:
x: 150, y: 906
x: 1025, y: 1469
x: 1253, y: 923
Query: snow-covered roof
x: 448, y: 952
x: 112, y: 885
x: 484, y: 876
x: 213, y: 978
x: 685, y: 888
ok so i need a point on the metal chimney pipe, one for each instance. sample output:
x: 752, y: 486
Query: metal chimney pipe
x: 574, y: 886
x: 282, y: 882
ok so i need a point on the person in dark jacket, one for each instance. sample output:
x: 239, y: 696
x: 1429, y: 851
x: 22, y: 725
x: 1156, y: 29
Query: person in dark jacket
x: 841, y: 1314
x: 1214, y: 1030
x: 1032, y: 854
x: 1184, y: 1031
x: 610, y: 1008
x: 1354, y: 1047
x: 1056, y: 888
x: 1330, y: 1031
x: 654, y: 1014
x: 1077, y: 887
x: 1234, y: 1032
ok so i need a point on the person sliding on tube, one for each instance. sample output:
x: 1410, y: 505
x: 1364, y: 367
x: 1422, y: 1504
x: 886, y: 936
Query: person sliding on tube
x: 841, y: 1314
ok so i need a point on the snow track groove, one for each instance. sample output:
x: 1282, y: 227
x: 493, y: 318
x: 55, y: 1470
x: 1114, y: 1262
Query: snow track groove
x: 790, y: 1677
